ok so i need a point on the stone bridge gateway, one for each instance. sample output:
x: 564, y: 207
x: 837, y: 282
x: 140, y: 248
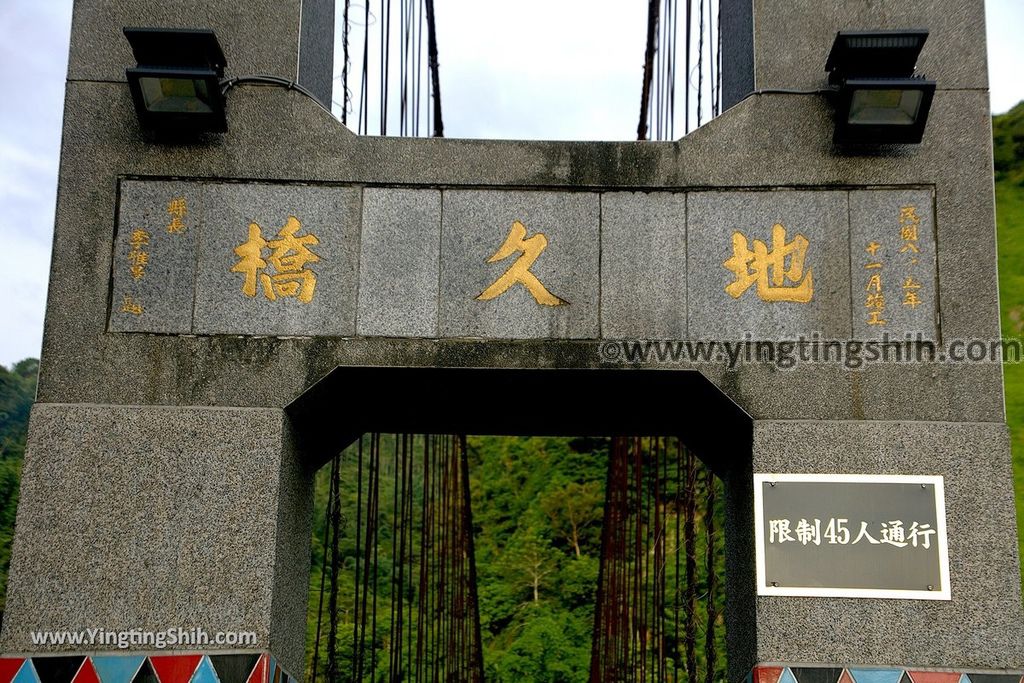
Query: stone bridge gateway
x: 167, y: 480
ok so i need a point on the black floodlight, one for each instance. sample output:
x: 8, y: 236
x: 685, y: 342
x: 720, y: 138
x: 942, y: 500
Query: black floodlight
x: 176, y: 85
x: 881, y: 100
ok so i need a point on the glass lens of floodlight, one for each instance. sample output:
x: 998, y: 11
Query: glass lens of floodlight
x: 186, y: 95
x: 885, y: 107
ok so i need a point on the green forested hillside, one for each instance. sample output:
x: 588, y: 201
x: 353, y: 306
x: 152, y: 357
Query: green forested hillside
x: 17, y: 391
x: 1008, y: 139
x: 537, y: 506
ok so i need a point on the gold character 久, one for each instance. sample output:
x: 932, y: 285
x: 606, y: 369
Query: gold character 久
x: 519, y: 272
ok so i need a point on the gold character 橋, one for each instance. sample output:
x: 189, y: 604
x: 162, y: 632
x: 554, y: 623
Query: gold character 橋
x: 530, y: 249
x: 768, y: 269
x: 289, y: 255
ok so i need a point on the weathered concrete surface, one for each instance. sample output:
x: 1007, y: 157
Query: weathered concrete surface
x: 99, y: 51
x: 983, y: 625
x: 400, y: 263
x: 643, y: 265
x: 791, y: 53
x: 151, y: 517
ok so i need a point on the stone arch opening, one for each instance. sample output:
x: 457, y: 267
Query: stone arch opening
x: 683, y: 405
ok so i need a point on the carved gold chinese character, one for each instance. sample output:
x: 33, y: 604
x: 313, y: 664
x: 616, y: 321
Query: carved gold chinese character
x: 137, y: 257
x: 872, y: 249
x: 909, y: 223
x: 177, y: 208
x: 910, y: 297
x: 131, y: 306
x: 768, y: 269
x: 289, y: 255
x: 874, y: 284
x: 519, y: 272
x: 908, y: 214
x: 875, y: 300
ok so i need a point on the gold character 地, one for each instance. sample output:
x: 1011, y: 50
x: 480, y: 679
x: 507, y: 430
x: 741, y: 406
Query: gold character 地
x: 768, y: 269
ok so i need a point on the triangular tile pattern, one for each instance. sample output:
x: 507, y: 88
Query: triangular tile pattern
x: 204, y: 672
x: 234, y: 668
x: 116, y: 668
x: 766, y: 674
x: 824, y: 674
x: 26, y: 674
x: 175, y: 668
x: 179, y: 667
x: 935, y: 676
x: 9, y: 668
x: 146, y: 674
x: 876, y: 675
x: 57, y: 669
x: 817, y: 674
x: 86, y: 673
x: 259, y: 673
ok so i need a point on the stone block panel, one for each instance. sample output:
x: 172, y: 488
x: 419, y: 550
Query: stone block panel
x: 643, y: 265
x: 768, y: 265
x: 154, y: 261
x: 893, y: 284
x: 520, y: 264
x: 399, y: 263
x: 266, y: 259
x: 146, y: 517
x: 278, y: 260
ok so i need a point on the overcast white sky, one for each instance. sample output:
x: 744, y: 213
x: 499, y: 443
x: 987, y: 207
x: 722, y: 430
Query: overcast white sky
x: 493, y: 84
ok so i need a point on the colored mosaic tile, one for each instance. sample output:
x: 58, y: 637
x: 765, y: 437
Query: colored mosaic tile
x: 235, y: 668
x: 935, y: 676
x: 116, y: 669
x: 767, y: 674
x: 86, y: 673
x: 826, y: 674
x: 57, y: 669
x: 249, y: 667
x: 175, y: 668
x: 9, y: 667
